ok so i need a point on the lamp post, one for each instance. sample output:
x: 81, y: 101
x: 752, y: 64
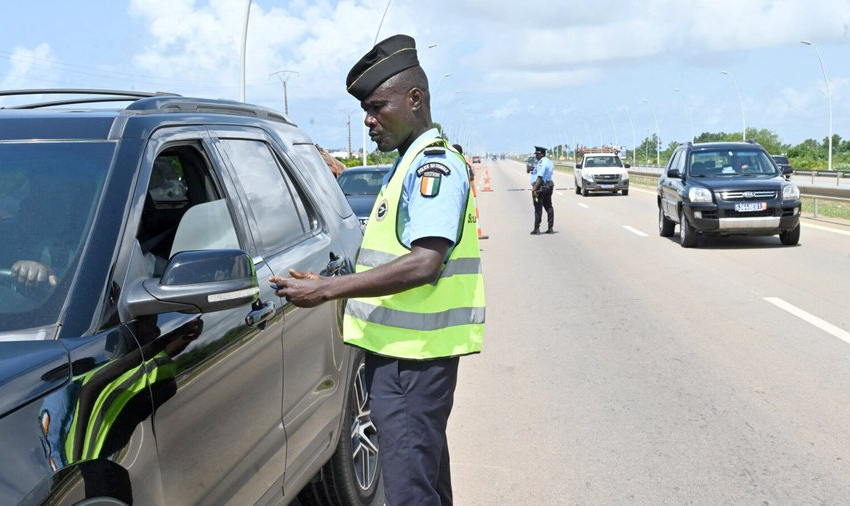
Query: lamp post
x: 244, y: 50
x: 616, y: 137
x: 446, y: 108
x: 828, y: 100
x: 284, y: 76
x: 690, y: 115
x: 436, y: 90
x: 634, y: 143
x: 740, y: 101
x: 657, y: 134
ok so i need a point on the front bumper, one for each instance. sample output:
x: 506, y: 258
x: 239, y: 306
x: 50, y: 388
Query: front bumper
x: 607, y: 183
x: 723, y: 219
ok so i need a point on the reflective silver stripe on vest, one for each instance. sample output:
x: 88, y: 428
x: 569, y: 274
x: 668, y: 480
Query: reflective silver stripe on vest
x: 414, y: 321
x: 462, y: 266
x: 374, y: 258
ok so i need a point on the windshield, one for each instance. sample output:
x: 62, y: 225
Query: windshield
x: 48, y: 196
x: 602, y: 161
x: 731, y: 162
x: 361, y: 183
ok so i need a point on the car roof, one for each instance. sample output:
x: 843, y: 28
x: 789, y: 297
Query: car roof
x: 600, y: 153
x: 368, y: 168
x: 726, y: 145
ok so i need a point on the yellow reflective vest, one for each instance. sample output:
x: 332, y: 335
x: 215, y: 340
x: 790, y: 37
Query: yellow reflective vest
x: 434, y: 320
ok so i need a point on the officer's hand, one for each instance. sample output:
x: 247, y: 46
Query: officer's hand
x: 303, y: 289
x: 30, y: 273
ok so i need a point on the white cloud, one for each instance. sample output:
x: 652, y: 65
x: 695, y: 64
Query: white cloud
x: 28, y: 65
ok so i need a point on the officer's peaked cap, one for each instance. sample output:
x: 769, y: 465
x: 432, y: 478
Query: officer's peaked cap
x: 538, y: 149
x: 386, y: 59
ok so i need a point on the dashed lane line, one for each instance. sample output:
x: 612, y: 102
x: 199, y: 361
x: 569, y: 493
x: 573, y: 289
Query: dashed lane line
x: 810, y: 318
x: 635, y: 231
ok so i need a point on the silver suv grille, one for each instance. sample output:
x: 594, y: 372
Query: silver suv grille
x: 745, y: 195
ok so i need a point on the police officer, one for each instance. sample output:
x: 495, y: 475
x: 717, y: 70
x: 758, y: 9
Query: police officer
x: 416, y: 301
x: 541, y: 190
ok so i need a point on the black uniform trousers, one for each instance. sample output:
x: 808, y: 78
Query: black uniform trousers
x: 410, y: 401
x: 544, y: 201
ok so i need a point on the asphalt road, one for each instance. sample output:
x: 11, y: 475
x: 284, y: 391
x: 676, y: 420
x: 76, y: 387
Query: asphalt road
x: 619, y: 368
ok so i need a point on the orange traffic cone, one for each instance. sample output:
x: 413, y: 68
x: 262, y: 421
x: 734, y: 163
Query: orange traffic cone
x: 486, y: 180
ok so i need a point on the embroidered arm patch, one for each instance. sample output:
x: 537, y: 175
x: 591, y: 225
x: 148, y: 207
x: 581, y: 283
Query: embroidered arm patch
x: 431, y: 174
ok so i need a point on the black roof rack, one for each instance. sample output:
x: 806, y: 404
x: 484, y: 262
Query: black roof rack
x: 93, y: 96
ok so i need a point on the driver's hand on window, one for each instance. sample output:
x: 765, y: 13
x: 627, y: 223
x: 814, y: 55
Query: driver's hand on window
x: 30, y: 273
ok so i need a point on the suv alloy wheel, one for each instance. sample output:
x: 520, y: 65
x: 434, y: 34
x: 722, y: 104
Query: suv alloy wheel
x: 687, y: 236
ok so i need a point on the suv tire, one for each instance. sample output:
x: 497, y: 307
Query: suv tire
x: 578, y: 188
x: 665, y: 226
x: 790, y: 237
x: 626, y: 192
x: 687, y: 236
x: 352, y: 476
x: 583, y: 191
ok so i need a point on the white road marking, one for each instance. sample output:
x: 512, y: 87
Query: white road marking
x: 635, y: 231
x: 810, y: 318
x: 583, y: 205
x: 826, y: 229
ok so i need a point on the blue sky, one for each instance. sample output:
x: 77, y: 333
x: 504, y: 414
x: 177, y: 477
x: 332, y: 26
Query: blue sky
x: 536, y: 72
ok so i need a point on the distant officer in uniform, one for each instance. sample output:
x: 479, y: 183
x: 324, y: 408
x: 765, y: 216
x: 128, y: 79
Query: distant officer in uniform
x: 541, y: 190
x: 416, y: 301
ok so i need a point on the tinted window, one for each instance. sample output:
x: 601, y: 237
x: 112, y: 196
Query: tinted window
x: 48, y: 197
x: 361, y: 183
x: 731, y: 162
x: 278, y: 213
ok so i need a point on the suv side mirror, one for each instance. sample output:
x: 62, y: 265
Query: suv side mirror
x: 787, y: 171
x: 674, y: 173
x: 627, y: 165
x: 194, y: 282
x: 578, y: 165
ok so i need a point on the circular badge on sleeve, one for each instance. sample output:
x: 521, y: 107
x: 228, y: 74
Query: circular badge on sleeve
x: 382, y: 210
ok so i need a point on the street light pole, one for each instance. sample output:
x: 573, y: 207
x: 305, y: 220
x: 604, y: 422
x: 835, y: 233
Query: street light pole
x: 244, y: 50
x: 657, y: 134
x: 690, y: 115
x: 436, y: 90
x: 634, y: 143
x: 740, y: 101
x: 616, y: 137
x: 284, y: 76
x: 828, y: 99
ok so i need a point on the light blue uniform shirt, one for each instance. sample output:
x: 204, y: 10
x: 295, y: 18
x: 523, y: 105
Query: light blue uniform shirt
x: 544, y: 168
x: 441, y: 214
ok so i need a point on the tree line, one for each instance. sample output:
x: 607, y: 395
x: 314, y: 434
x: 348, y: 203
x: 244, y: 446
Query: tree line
x: 809, y: 154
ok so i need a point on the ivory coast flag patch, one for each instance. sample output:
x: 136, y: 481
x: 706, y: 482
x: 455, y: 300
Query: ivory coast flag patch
x: 431, y: 174
x: 430, y: 186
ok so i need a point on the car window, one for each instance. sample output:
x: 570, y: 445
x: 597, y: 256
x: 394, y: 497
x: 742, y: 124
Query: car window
x: 278, y: 212
x: 184, y: 210
x: 731, y: 162
x: 48, y: 197
x: 361, y: 183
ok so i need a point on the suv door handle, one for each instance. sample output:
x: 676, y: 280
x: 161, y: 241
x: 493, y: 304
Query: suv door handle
x: 260, y: 314
x: 334, y: 266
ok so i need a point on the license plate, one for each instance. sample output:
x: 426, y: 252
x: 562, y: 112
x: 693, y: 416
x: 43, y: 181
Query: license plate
x: 606, y: 186
x: 744, y: 207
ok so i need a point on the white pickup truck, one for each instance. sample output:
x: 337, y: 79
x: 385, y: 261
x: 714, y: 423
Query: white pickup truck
x: 601, y: 172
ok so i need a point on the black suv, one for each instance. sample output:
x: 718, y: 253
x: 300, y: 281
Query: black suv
x: 732, y: 188
x: 144, y: 358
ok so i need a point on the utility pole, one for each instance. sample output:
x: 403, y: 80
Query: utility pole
x: 284, y: 76
x: 349, y: 134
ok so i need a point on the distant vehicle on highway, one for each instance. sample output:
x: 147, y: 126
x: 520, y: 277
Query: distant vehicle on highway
x: 601, y: 171
x: 530, y: 162
x: 361, y: 186
x: 731, y: 188
x: 476, y: 159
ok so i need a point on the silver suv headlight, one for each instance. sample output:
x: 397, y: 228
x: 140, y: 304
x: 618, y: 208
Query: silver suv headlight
x: 790, y: 192
x: 586, y: 176
x: 698, y: 194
